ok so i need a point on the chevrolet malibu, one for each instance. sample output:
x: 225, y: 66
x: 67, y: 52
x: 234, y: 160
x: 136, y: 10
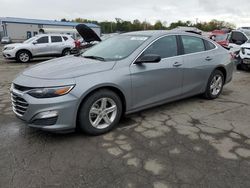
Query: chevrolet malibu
x: 121, y: 75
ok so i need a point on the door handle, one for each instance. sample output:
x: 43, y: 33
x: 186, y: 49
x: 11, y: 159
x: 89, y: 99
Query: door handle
x: 208, y: 58
x: 177, y: 64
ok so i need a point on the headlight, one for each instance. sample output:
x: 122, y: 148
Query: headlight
x: 243, y: 50
x: 9, y: 48
x: 50, y: 92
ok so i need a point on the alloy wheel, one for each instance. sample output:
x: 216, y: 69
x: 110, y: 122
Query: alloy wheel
x: 24, y: 57
x: 216, y: 85
x: 103, y: 113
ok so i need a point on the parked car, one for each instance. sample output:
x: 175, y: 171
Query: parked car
x: 237, y: 38
x: 89, y: 39
x: 121, y: 75
x: 221, y: 39
x: 6, y: 40
x: 244, y: 54
x: 44, y: 45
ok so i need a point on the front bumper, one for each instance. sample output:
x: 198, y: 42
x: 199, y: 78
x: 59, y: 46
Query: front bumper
x: 50, y: 114
x: 9, y: 54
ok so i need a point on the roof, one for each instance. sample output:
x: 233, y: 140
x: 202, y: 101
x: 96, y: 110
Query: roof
x: 147, y: 32
x: 43, y: 22
x: 182, y: 28
x: 158, y: 33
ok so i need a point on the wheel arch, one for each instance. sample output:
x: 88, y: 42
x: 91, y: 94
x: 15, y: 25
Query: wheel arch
x: 66, y: 48
x: 113, y: 88
x: 24, y: 49
x: 223, y: 70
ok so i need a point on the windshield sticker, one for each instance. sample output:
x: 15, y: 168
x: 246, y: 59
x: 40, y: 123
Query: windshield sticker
x: 139, y: 38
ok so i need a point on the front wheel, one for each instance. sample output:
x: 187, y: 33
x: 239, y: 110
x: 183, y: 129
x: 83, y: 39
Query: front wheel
x: 215, y: 85
x: 23, y: 56
x: 100, y: 112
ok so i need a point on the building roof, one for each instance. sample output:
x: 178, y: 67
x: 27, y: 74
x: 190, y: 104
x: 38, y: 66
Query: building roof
x: 42, y: 22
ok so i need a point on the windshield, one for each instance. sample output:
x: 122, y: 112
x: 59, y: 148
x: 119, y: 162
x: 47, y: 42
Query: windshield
x: 30, y: 39
x: 116, y: 48
x: 221, y: 37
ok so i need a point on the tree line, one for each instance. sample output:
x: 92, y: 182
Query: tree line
x: 120, y: 25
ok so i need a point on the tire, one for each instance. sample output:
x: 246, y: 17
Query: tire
x: 66, y: 52
x: 215, y: 85
x: 23, y: 56
x: 94, y: 117
x: 244, y: 67
x: 239, y: 67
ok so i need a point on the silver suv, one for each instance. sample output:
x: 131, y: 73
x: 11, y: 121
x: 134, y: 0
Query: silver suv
x: 44, y: 45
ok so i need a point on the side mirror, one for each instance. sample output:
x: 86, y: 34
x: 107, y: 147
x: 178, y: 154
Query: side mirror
x: 34, y: 42
x: 148, y: 58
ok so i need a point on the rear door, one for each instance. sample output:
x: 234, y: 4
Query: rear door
x: 156, y: 82
x: 57, y: 44
x: 196, y: 63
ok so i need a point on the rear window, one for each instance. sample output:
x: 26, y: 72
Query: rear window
x: 237, y: 36
x: 65, y: 38
x: 192, y: 44
x: 209, y: 45
x: 56, y: 39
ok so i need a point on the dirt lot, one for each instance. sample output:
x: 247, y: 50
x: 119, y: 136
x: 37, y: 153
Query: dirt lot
x: 190, y: 143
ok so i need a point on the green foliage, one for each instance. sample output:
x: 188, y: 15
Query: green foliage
x: 120, y: 25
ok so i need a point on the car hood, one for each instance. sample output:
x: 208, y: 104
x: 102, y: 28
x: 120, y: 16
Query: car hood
x: 246, y: 45
x: 87, y: 33
x: 67, y: 67
x: 13, y: 45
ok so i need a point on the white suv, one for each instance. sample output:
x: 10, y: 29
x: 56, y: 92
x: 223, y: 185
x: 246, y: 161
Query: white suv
x: 44, y: 45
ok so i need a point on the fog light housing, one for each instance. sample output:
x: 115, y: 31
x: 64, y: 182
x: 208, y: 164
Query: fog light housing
x: 45, y: 118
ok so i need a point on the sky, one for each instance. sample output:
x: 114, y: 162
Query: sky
x: 234, y: 11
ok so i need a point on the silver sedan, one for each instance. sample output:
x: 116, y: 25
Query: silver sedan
x: 121, y: 75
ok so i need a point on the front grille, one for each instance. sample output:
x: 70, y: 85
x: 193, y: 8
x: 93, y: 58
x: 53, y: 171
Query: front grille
x: 246, y: 61
x: 19, y: 104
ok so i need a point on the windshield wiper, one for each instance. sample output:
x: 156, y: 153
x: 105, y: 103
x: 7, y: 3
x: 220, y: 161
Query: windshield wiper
x: 95, y: 57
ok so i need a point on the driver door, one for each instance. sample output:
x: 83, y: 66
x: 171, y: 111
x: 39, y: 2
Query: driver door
x: 41, y: 46
x: 158, y: 82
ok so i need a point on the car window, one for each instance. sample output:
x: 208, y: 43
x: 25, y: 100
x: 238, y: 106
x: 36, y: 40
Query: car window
x: 237, y: 36
x: 221, y: 37
x: 56, y: 39
x: 43, y: 40
x: 65, y: 38
x: 209, y: 45
x: 164, y: 47
x: 192, y: 44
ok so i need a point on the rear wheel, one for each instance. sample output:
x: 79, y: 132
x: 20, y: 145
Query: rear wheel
x: 215, y: 85
x: 100, y: 112
x: 66, y: 52
x: 23, y: 56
